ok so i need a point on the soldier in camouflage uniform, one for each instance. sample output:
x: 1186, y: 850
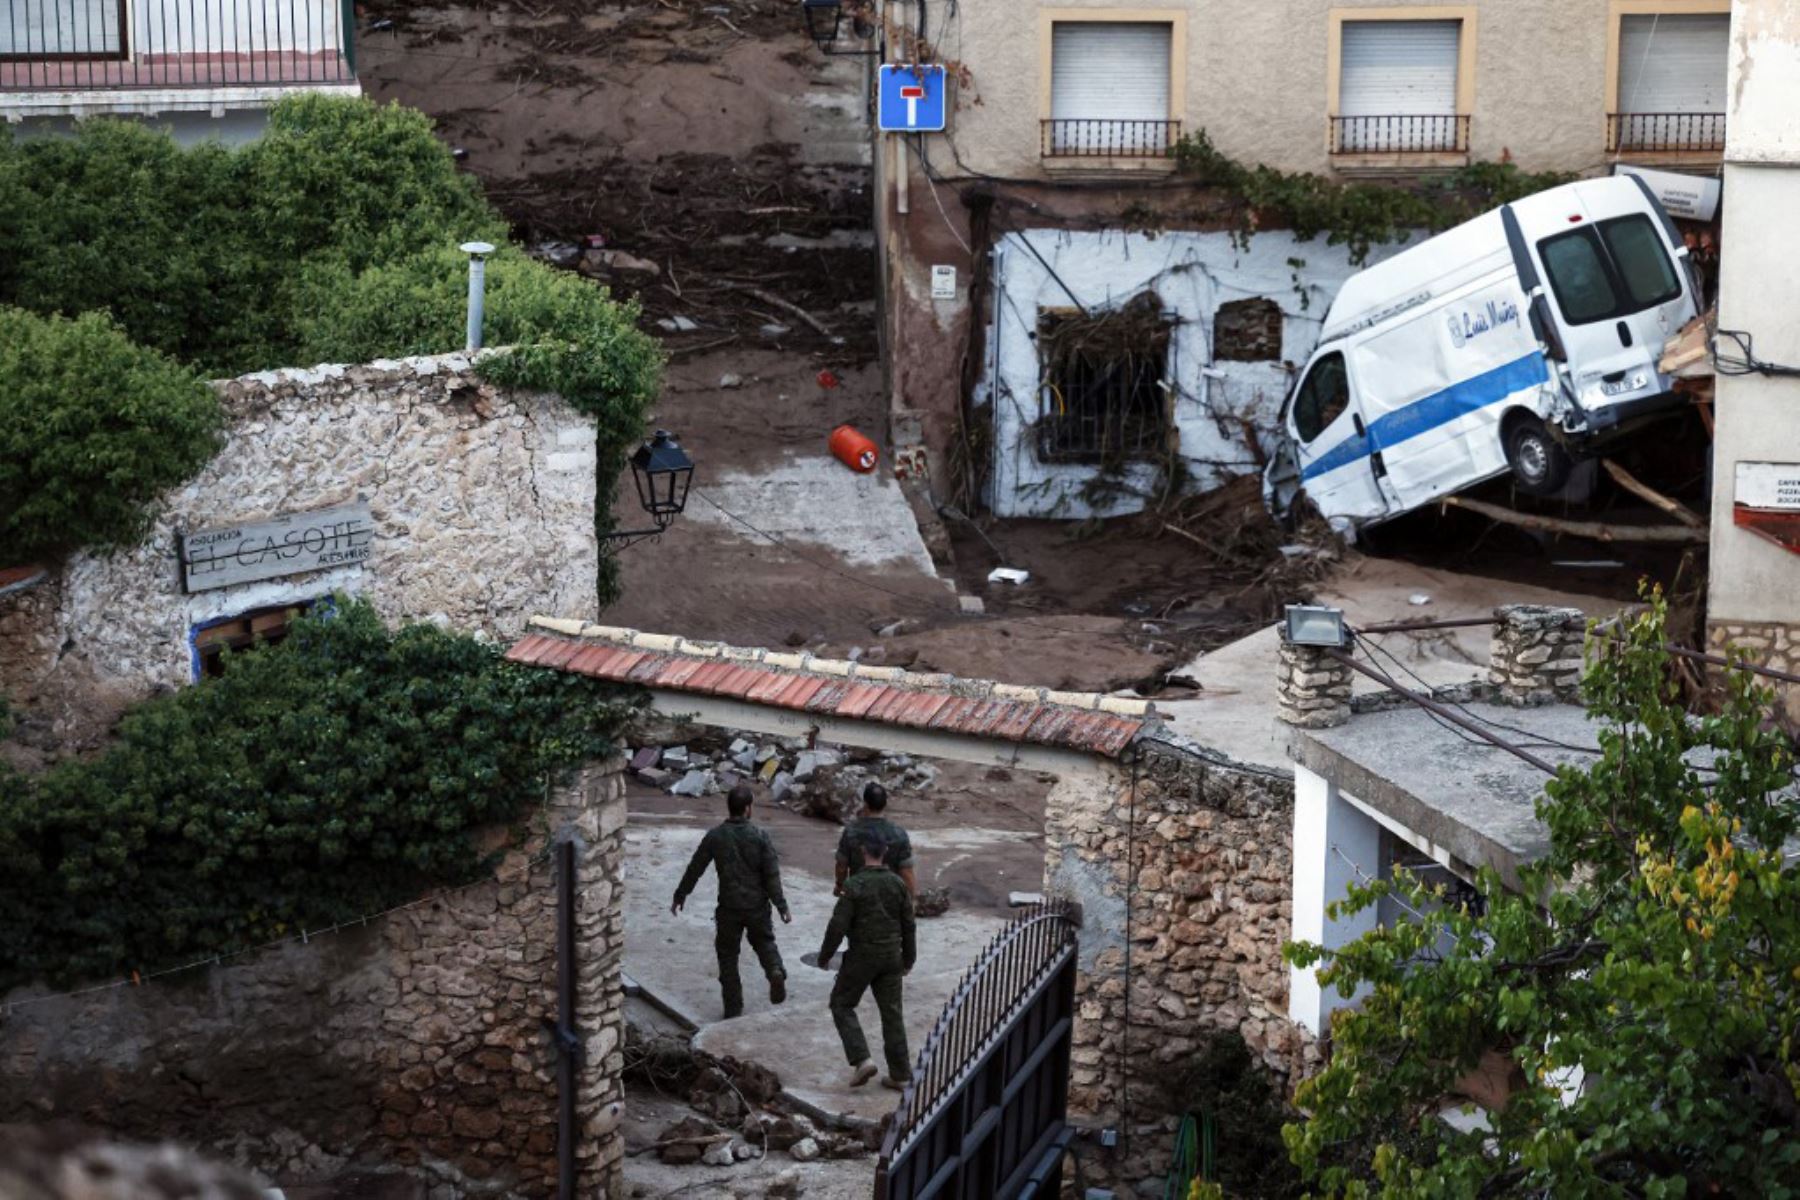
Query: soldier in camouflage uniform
x: 749, y: 882
x: 876, y: 915
x: 874, y: 824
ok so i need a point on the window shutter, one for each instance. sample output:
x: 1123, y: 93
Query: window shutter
x: 1673, y: 63
x: 1398, y: 68
x: 1109, y: 71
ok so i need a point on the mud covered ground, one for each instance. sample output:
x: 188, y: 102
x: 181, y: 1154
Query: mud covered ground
x: 703, y: 158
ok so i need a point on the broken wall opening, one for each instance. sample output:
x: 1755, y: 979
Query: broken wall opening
x: 1104, y: 396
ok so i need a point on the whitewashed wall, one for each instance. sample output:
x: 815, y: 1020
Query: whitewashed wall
x: 1193, y: 273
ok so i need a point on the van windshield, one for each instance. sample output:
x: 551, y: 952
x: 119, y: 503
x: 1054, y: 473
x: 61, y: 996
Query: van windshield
x: 1611, y: 269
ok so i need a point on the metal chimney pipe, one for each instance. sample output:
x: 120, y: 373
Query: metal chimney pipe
x: 477, y: 252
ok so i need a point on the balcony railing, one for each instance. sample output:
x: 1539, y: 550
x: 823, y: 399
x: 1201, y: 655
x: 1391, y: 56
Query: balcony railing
x: 1665, y: 132
x: 83, y: 45
x: 1104, y: 137
x: 1400, y: 133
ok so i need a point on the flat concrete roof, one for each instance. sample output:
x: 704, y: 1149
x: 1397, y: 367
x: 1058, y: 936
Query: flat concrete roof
x: 1467, y: 796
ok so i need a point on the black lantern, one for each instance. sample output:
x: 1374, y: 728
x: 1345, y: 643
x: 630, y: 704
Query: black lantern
x: 824, y: 19
x: 662, y: 471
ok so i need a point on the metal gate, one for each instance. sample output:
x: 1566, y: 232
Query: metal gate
x: 984, y: 1117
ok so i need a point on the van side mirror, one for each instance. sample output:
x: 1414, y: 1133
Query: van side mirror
x: 1544, y: 329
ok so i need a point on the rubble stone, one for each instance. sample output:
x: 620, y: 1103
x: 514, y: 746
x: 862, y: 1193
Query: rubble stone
x: 694, y: 783
x: 1313, y: 690
x: 805, y: 1150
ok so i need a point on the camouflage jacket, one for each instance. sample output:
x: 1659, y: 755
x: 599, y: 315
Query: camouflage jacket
x: 899, y: 846
x: 876, y: 914
x: 749, y: 869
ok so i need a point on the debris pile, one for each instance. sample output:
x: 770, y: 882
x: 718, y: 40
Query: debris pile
x: 817, y: 780
x: 738, y: 1115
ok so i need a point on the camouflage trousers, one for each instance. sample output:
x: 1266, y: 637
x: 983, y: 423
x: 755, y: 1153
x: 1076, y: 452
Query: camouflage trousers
x: 731, y: 926
x: 883, y: 976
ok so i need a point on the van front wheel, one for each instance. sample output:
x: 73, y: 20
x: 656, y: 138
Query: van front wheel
x: 1539, y: 463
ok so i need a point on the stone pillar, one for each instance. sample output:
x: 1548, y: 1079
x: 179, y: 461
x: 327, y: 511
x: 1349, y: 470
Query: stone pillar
x: 1536, y: 654
x: 1314, y: 690
x: 598, y: 826
x: 1335, y: 844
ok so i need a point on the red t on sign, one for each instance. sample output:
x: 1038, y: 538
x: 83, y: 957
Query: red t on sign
x: 912, y: 95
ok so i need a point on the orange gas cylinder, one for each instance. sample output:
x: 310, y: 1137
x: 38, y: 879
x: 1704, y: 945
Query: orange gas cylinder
x: 853, y: 449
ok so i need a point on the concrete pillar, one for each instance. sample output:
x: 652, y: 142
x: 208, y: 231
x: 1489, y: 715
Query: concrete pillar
x: 1314, y: 688
x: 1536, y: 654
x: 1333, y: 841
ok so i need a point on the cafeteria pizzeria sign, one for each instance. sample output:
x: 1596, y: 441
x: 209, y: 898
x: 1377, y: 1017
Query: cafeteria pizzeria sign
x: 291, y: 545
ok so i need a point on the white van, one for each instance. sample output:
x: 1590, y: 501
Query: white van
x: 1522, y: 340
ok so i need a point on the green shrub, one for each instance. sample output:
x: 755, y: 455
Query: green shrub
x: 336, y: 773
x: 92, y: 429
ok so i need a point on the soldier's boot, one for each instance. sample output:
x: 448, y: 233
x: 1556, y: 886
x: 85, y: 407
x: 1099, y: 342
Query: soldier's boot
x: 888, y: 1081
x: 862, y: 1072
x: 777, y: 988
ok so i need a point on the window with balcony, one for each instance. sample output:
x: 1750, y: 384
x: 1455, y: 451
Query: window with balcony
x: 1398, y: 88
x: 1109, y: 90
x: 1672, y: 71
x: 47, y: 29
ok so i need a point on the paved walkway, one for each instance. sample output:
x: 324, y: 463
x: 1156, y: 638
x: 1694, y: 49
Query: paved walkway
x: 671, y: 958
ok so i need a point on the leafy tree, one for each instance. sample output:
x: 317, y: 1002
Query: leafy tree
x: 1647, y: 988
x: 92, y: 429
x: 335, y: 773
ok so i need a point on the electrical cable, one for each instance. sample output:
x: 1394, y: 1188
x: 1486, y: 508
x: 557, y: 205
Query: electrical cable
x: 1744, y: 361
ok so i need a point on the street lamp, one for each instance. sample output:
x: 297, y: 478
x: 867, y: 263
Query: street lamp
x: 662, y: 472
x: 825, y: 17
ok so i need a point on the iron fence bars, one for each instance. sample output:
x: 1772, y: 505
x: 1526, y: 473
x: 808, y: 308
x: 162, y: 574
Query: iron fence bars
x: 1400, y: 133
x: 106, y: 45
x: 1105, y: 137
x: 984, y: 1113
x: 1691, y: 132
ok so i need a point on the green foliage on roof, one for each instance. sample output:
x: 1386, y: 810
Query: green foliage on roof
x: 93, y: 427
x: 328, y: 776
x: 1358, y: 215
x: 332, y: 237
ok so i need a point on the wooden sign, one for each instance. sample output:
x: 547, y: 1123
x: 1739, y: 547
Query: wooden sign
x: 291, y: 545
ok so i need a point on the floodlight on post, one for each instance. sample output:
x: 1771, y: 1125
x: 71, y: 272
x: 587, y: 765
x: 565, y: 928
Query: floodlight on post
x: 662, y: 472
x: 1316, y: 625
x: 477, y: 252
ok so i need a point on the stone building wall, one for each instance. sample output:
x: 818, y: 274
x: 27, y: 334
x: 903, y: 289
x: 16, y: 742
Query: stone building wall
x: 413, y: 1042
x: 1773, y: 644
x: 482, y: 501
x: 1183, y: 870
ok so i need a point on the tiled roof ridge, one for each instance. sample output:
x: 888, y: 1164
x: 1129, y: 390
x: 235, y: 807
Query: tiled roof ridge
x: 805, y: 662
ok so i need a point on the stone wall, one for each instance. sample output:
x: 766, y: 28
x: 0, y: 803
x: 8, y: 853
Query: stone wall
x: 1772, y: 644
x: 1535, y: 656
x: 1182, y: 866
x: 483, y: 507
x: 413, y: 1042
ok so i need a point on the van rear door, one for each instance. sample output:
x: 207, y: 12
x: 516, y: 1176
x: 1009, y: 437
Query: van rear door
x: 1620, y: 292
x: 1331, y: 443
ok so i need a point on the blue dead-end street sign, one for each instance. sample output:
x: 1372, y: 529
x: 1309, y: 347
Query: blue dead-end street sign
x: 912, y: 98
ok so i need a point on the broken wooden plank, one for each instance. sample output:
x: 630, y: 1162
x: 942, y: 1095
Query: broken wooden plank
x: 757, y: 293
x: 1644, y: 491
x: 1596, y: 530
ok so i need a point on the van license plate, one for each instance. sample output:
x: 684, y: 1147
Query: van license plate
x: 1619, y: 388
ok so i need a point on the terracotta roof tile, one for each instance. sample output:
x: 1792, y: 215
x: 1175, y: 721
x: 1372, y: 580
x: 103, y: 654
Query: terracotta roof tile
x: 1079, y: 721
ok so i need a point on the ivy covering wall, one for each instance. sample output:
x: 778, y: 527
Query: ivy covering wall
x: 331, y: 238
x: 333, y: 774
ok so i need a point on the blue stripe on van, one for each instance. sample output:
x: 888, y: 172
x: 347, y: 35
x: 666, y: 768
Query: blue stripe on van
x: 1429, y: 412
